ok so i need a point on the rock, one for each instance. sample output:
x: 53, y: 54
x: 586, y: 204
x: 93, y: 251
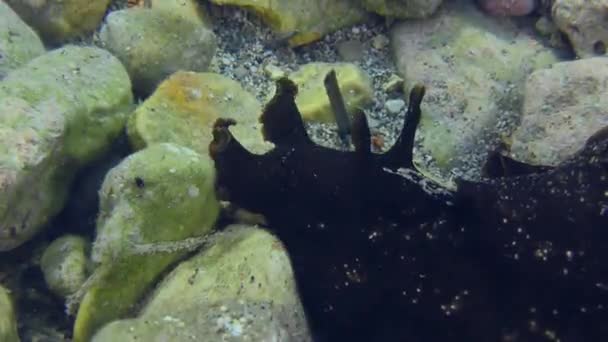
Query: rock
x: 154, y: 44
x: 313, y: 103
x: 394, y: 106
x: 509, y: 8
x: 393, y: 84
x: 239, y: 288
x: 64, y: 264
x: 184, y: 9
x: 184, y: 107
x: 155, y: 206
x: 303, y: 21
x: 380, y: 41
x: 585, y: 24
x: 474, y: 67
x: 563, y: 106
x: 273, y: 72
x: 350, y: 50
x: 57, y: 113
x: 403, y: 9
x: 18, y: 42
x: 8, y: 321
x: 58, y: 21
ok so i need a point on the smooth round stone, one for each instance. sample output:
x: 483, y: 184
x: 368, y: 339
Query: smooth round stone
x: 394, y: 106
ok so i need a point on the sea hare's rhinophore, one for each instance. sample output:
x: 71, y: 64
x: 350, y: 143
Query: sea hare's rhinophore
x: 382, y: 253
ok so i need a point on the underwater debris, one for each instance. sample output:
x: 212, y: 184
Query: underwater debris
x: 381, y: 252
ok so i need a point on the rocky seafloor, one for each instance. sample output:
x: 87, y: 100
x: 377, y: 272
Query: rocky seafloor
x: 108, y: 215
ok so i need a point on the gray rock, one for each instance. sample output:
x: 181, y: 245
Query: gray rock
x: 350, y: 50
x: 584, y: 21
x: 18, y: 42
x: 240, y: 287
x: 474, y: 67
x: 154, y: 44
x: 563, y: 106
x: 394, y: 106
x: 57, y: 113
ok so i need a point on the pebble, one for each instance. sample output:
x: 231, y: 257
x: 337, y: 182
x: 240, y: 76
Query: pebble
x: 394, y: 106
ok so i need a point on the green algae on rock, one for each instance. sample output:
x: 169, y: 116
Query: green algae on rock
x: 303, y: 21
x: 585, y: 24
x: 563, y: 106
x: 59, y: 21
x: 313, y: 103
x: 184, y: 9
x: 8, y: 321
x: 64, y: 264
x: 403, y: 9
x: 18, y: 42
x: 475, y: 68
x: 239, y: 287
x: 154, y: 43
x: 183, y: 108
x: 155, y: 206
x: 58, y: 112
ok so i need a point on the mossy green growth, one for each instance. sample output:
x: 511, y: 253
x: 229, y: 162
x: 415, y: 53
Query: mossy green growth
x: 155, y: 43
x: 60, y: 111
x: 155, y: 206
x: 184, y: 107
x: 8, y: 321
x: 58, y: 21
x: 240, y: 284
x: 312, y: 101
x: 303, y: 21
x: 64, y: 264
x: 18, y: 42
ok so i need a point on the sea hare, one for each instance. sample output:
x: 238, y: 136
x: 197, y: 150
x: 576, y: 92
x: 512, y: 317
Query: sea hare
x: 382, y: 253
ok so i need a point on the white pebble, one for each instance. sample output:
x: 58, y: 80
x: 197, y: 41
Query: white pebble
x: 394, y: 106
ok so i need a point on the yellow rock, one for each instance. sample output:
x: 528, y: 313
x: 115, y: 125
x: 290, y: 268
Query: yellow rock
x: 303, y: 21
x: 312, y: 100
x: 184, y: 107
x: 59, y: 20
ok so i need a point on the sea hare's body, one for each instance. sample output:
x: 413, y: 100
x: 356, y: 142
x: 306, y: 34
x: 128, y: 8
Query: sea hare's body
x: 382, y: 253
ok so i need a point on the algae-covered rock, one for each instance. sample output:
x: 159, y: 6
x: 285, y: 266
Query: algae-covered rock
x: 474, y: 68
x: 184, y: 9
x: 18, y: 42
x: 239, y: 288
x: 155, y: 43
x: 585, y: 23
x: 64, y: 264
x: 313, y: 103
x: 155, y: 206
x: 303, y: 21
x: 57, y: 113
x: 8, y: 321
x: 184, y: 107
x: 563, y: 106
x: 59, y: 20
x: 403, y: 9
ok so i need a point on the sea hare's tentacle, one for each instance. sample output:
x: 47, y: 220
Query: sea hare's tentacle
x: 401, y: 154
x: 281, y: 119
x: 221, y: 136
x: 337, y: 104
x: 360, y: 133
